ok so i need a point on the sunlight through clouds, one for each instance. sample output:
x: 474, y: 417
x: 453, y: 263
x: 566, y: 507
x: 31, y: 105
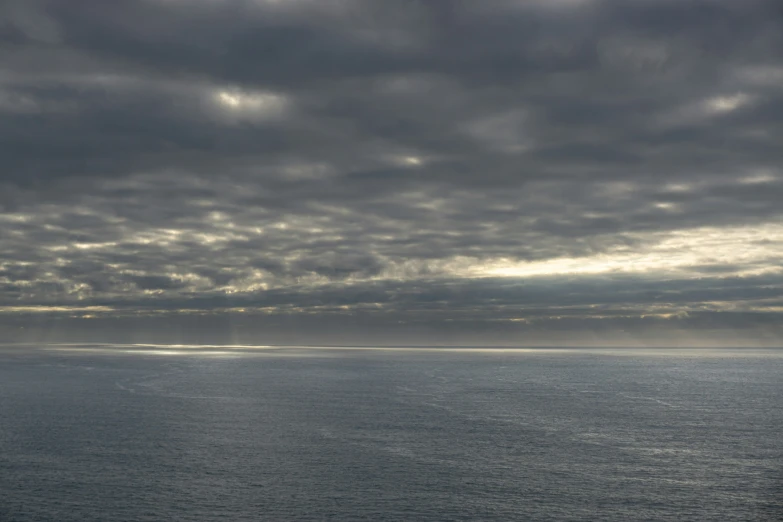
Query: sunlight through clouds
x: 722, y: 104
x: 749, y: 250
x: 240, y: 105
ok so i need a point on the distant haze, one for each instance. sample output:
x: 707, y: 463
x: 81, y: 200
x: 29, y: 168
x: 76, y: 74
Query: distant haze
x: 501, y: 172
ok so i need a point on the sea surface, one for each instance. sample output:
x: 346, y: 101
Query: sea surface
x: 184, y: 433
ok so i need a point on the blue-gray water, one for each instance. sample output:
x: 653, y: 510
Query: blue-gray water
x: 145, y: 433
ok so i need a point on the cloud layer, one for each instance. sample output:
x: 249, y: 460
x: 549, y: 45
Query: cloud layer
x: 506, y: 169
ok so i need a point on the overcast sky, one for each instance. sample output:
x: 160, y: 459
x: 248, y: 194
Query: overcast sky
x: 377, y: 172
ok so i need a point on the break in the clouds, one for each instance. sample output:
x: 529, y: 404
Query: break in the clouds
x: 503, y: 171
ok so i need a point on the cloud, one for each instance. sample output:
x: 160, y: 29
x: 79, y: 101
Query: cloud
x: 511, y: 162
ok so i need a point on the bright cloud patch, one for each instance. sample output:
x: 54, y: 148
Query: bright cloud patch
x: 239, y: 105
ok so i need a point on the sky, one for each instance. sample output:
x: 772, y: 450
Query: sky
x: 502, y: 172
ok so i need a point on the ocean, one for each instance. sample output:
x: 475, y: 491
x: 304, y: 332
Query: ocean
x: 184, y: 433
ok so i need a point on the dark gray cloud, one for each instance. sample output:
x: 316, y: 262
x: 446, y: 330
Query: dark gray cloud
x: 509, y: 168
